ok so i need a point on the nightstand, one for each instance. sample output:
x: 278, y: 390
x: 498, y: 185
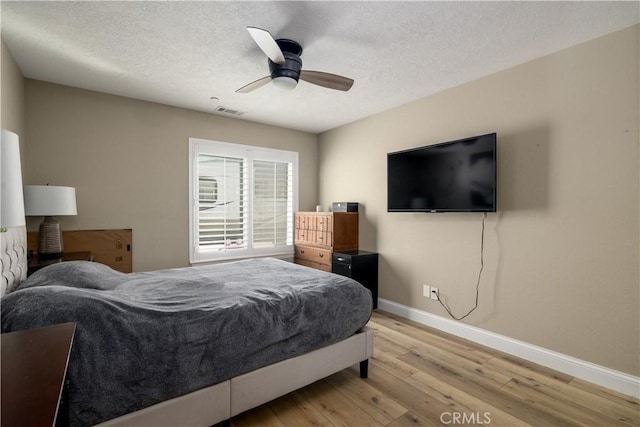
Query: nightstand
x: 37, y: 262
x: 34, y: 366
x: 361, y: 266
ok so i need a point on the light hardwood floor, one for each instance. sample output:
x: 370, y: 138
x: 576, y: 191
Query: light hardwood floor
x: 420, y: 376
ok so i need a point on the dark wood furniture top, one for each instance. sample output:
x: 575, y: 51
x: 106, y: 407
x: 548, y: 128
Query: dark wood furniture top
x: 37, y: 262
x: 34, y: 365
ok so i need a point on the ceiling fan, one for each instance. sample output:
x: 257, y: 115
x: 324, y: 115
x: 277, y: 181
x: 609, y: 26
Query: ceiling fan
x: 285, y: 65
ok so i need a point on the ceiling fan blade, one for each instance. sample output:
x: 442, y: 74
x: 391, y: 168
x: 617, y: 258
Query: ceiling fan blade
x: 254, y: 85
x: 267, y: 43
x: 328, y: 80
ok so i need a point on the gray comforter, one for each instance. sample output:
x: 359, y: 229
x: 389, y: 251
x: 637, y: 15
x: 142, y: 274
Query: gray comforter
x: 142, y: 338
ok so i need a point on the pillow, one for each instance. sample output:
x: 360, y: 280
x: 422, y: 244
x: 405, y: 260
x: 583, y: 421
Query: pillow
x: 76, y: 274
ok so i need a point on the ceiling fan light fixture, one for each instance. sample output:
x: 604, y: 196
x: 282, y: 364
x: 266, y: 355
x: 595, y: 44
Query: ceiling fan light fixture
x: 284, y: 82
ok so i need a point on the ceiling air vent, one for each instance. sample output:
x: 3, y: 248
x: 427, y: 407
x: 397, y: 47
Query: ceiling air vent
x: 231, y: 111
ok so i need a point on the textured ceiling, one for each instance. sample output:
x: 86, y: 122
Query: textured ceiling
x: 184, y: 53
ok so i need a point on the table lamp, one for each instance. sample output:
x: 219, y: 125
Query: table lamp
x: 50, y: 201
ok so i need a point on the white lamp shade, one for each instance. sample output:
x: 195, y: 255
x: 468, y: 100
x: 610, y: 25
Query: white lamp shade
x: 49, y: 200
x: 11, y: 200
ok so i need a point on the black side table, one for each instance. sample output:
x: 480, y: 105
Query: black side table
x: 361, y: 266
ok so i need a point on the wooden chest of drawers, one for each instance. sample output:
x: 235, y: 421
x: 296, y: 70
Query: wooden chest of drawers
x: 318, y: 234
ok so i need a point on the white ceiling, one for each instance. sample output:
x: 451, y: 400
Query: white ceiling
x: 183, y: 53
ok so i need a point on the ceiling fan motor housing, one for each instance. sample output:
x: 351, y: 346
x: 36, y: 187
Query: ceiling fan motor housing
x: 291, y: 51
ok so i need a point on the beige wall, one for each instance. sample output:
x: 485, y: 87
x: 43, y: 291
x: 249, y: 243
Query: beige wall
x: 561, y: 255
x: 128, y: 160
x: 12, y: 95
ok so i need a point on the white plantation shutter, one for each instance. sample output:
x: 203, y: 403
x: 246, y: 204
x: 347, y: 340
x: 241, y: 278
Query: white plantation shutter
x: 222, y: 221
x: 242, y: 200
x: 272, y: 204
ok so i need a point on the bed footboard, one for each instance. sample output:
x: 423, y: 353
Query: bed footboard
x: 265, y: 384
x: 221, y: 402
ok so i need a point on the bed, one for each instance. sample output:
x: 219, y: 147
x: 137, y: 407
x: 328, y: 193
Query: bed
x: 197, y: 345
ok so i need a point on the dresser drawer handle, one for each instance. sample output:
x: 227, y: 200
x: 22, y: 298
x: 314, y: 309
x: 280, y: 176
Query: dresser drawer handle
x: 321, y: 255
x: 301, y: 251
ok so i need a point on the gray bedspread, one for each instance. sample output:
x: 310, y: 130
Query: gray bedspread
x: 142, y: 338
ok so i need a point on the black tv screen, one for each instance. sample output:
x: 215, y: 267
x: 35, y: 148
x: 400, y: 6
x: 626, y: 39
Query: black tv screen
x: 455, y: 176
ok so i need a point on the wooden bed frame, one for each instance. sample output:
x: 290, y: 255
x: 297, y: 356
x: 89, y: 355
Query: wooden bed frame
x: 220, y: 402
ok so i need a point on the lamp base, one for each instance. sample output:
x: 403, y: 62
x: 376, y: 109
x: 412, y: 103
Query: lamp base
x: 50, y: 238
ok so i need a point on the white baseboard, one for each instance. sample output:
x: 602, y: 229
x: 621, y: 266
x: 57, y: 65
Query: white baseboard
x: 609, y: 378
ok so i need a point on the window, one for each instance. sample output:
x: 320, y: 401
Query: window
x: 242, y: 200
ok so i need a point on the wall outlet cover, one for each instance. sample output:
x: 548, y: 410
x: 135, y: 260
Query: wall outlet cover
x: 426, y: 291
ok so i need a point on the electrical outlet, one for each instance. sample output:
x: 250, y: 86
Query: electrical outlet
x: 435, y: 292
x: 426, y: 291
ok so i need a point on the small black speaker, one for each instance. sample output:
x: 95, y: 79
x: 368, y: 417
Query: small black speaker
x: 344, y: 207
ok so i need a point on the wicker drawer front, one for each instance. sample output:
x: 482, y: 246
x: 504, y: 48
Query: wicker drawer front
x: 305, y: 236
x: 323, y: 223
x: 306, y: 222
x: 316, y: 255
x: 323, y: 238
x: 308, y: 237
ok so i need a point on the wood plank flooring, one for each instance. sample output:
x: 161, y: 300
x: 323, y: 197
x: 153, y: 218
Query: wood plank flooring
x: 420, y: 376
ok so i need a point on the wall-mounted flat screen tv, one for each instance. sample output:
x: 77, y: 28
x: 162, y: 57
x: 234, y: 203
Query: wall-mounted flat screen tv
x: 454, y: 176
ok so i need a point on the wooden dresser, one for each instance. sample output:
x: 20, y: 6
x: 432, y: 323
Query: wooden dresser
x: 319, y: 234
